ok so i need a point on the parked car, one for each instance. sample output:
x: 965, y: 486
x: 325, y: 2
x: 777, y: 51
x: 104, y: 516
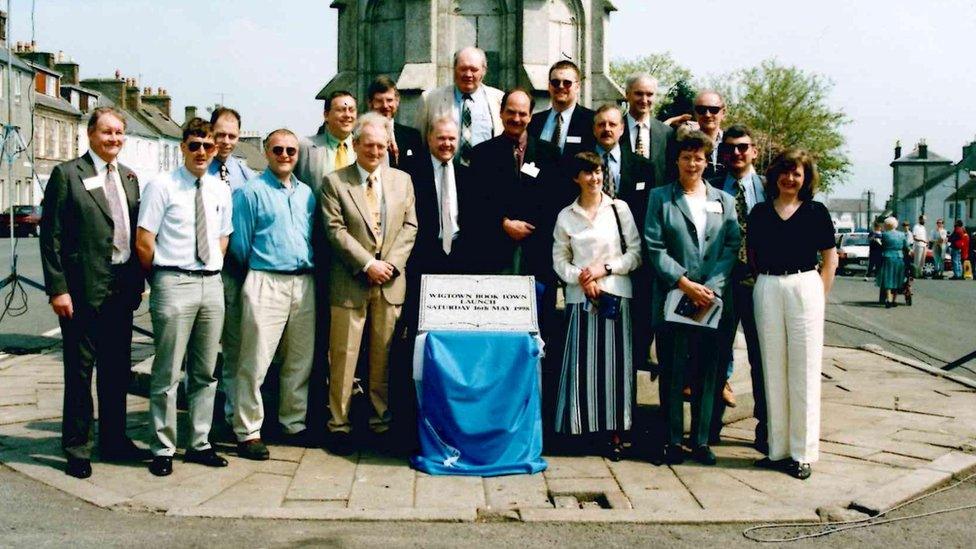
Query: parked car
x: 853, y: 250
x: 928, y: 270
x: 27, y: 220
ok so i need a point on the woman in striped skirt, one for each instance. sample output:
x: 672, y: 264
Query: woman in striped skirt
x: 596, y: 245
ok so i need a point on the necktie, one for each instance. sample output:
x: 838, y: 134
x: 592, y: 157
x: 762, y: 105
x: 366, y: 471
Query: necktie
x: 224, y: 174
x: 607, y: 178
x: 372, y: 201
x: 447, y: 220
x: 466, y: 136
x: 394, y: 152
x: 741, y: 212
x: 639, y: 146
x: 557, y: 133
x: 203, y: 246
x: 120, y: 230
x: 341, y: 157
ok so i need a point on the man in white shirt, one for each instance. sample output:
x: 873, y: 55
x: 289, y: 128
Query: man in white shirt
x: 184, y: 226
x: 920, y: 238
x: 566, y: 124
x: 645, y: 135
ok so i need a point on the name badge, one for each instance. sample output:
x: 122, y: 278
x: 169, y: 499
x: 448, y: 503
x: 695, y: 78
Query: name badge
x: 640, y: 185
x: 409, y: 152
x: 713, y: 206
x: 573, y: 139
x: 93, y: 183
x: 530, y: 170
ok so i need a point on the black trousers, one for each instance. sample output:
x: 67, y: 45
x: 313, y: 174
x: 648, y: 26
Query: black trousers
x: 688, y: 356
x: 96, y: 338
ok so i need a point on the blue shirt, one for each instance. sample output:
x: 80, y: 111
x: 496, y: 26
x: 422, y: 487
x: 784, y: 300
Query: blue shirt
x: 482, y: 127
x: 752, y: 184
x: 550, y: 126
x: 613, y: 163
x: 273, y: 224
x: 236, y: 170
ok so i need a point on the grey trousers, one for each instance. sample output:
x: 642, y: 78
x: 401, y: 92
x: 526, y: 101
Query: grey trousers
x: 230, y: 341
x: 188, y: 316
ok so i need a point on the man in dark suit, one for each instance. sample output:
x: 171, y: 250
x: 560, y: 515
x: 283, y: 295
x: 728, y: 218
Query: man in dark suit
x: 566, y: 124
x: 645, y: 135
x: 384, y: 98
x: 92, y: 276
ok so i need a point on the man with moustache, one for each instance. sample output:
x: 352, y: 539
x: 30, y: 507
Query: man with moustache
x: 371, y: 224
x: 331, y: 150
x: 384, y: 98
x: 184, y: 226
x: 473, y: 105
x: 93, y: 281
x: 272, y: 238
x: 565, y: 124
x: 645, y: 135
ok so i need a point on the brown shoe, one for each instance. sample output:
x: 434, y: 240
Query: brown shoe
x: 253, y: 449
x: 728, y: 395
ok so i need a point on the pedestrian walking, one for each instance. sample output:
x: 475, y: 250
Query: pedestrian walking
x: 892, y: 274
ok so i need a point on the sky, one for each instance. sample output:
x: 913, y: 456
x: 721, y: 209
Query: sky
x: 902, y: 69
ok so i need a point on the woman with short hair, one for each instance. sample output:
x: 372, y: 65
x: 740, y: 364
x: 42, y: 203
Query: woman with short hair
x: 891, y: 275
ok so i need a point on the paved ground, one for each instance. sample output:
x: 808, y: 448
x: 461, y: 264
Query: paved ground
x: 889, y: 432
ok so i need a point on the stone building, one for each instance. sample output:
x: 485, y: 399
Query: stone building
x: 924, y: 181
x: 413, y: 41
x: 908, y: 173
x: 21, y: 76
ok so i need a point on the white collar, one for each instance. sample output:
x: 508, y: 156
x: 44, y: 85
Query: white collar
x: 101, y: 165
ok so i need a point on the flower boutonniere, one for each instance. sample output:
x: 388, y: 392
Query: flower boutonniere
x: 131, y: 177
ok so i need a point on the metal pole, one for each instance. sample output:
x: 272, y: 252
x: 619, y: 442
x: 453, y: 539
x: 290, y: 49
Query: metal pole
x: 6, y: 133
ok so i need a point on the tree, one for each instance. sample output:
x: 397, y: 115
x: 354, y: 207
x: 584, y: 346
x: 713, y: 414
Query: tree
x: 659, y: 65
x: 787, y: 107
x: 679, y: 100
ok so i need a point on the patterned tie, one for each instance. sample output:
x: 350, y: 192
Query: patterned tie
x: 373, y: 203
x: 341, y: 157
x: 394, y: 156
x: 639, y: 146
x: 224, y: 174
x: 203, y: 246
x: 466, y: 135
x: 607, y: 179
x: 114, y: 194
x: 447, y: 220
x: 557, y: 134
x: 741, y: 211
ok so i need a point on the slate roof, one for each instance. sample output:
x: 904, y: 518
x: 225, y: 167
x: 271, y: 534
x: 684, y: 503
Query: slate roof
x: 913, y: 158
x: 57, y: 104
x: 17, y: 61
x: 968, y: 163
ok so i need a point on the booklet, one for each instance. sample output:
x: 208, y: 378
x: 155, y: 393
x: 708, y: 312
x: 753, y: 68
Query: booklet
x: 678, y: 307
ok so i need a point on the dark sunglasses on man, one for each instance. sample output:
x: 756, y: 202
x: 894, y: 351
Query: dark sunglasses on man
x: 700, y: 110
x: 557, y: 83
x: 740, y: 148
x: 194, y: 146
x: 279, y: 150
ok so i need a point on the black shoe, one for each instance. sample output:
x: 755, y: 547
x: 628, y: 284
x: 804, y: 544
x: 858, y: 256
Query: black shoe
x: 253, y: 449
x: 761, y: 446
x: 673, y: 454
x: 78, y: 468
x: 704, y: 455
x: 206, y: 457
x: 776, y: 465
x: 340, y: 443
x: 161, y: 466
x: 300, y: 439
x: 799, y: 470
x: 614, y: 450
x: 124, y: 451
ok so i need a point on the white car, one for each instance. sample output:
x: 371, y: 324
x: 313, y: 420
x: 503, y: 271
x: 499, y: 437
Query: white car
x: 853, y: 250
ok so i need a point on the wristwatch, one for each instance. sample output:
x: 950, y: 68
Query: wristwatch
x: 606, y: 267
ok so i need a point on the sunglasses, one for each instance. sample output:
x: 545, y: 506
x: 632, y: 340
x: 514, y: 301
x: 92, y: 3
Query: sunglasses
x: 557, y: 83
x: 740, y: 148
x: 712, y: 109
x: 279, y: 150
x: 194, y: 146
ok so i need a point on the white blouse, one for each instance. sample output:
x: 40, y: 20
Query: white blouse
x: 580, y: 242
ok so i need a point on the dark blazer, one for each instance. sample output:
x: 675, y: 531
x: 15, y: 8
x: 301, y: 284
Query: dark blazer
x: 637, y: 178
x: 76, y: 235
x: 409, y: 143
x: 662, y: 150
x: 428, y: 256
x: 507, y: 193
x: 580, y: 125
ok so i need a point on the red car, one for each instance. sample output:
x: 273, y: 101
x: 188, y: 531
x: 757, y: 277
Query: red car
x: 27, y: 219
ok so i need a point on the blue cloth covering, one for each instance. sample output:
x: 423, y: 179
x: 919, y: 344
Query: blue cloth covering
x: 479, y: 404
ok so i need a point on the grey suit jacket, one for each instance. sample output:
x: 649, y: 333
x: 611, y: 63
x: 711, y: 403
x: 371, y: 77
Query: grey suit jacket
x: 440, y: 101
x: 661, y: 155
x: 672, y: 244
x: 310, y: 167
x: 342, y: 203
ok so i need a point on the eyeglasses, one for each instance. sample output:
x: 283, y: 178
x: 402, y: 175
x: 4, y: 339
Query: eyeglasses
x: 194, y: 146
x: 712, y: 109
x: 740, y: 148
x: 557, y: 83
x: 279, y: 150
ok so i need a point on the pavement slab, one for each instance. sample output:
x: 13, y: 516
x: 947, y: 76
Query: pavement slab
x: 517, y: 492
x: 323, y: 476
x: 382, y: 483
x: 435, y: 492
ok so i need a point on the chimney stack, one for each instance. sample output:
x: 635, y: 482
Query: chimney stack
x: 160, y: 100
x: 923, y: 149
x: 189, y: 113
x: 897, y: 149
x: 133, y: 99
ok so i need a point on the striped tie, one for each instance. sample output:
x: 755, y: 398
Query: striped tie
x: 639, y: 146
x: 466, y: 132
x: 203, y: 246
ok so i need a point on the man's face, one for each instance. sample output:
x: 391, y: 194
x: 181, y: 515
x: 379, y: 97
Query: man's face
x: 371, y: 147
x: 740, y: 151
x: 563, y: 88
x: 516, y: 114
x: 341, y: 116
x: 385, y: 103
x: 709, y: 111
x: 442, y: 141
x: 640, y: 98
x: 469, y: 71
x: 108, y: 137
x: 226, y: 134
x: 282, y: 153
x: 607, y: 128
x: 197, y: 153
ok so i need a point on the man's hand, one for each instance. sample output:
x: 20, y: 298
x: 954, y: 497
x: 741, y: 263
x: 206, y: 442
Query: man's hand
x: 380, y: 272
x: 699, y: 294
x: 62, y: 306
x: 517, y: 230
x: 676, y: 121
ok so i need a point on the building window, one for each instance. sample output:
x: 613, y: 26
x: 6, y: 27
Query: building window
x: 3, y: 78
x: 75, y: 99
x: 51, y: 86
x: 970, y: 207
x: 39, y: 138
x: 50, y: 139
x: 17, y: 93
x: 66, y: 151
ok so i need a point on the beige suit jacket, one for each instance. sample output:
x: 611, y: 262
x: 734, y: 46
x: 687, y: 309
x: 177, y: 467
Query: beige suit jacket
x: 342, y: 203
x: 440, y: 101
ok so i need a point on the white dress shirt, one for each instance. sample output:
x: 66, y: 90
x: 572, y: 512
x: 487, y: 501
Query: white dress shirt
x: 645, y: 133
x: 452, y: 185
x: 550, y: 126
x: 101, y: 168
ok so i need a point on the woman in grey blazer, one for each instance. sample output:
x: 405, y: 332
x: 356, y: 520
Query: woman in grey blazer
x: 692, y: 238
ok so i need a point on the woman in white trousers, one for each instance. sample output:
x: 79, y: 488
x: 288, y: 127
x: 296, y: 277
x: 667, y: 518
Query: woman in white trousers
x: 785, y: 235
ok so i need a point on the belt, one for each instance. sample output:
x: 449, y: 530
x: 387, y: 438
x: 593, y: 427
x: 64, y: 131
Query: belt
x: 296, y: 272
x: 786, y: 271
x: 191, y: 272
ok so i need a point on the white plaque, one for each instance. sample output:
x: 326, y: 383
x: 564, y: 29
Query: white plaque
x: 491, y: 303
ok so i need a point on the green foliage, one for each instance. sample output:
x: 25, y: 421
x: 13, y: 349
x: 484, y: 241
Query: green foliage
x: 679, y: 100
x: 660, y: 65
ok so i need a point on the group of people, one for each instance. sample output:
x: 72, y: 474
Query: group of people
x: 611, y: 208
